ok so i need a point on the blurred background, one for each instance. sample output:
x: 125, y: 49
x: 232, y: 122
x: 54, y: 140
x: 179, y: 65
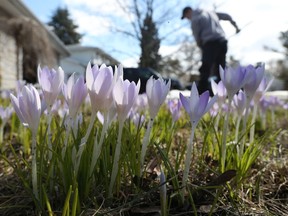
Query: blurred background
x: 137, y: 34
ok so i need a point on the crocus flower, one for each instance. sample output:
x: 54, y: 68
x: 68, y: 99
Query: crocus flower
x: 156, y: 90
x: 262, y: 88
x: 141, y: 103
x: 234, y: 79
x: 51, y: 82
x: 196, y: 106
x: 239, y: 101
x: 5, y: 94
x: 251, y: 85
x: 175, y: 109
x: 264, y: 104
x: 137, y: 118
x: 100, y: 82
x: 5, y: 114
x: 125, y: 94
x: 75, y: 91
x: 27, y: 105
x: 220, y: 90
x: 55, y: 107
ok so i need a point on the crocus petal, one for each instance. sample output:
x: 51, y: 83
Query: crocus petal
x: 89, y: 76
x: 185, y: 102
x: 15, y: 104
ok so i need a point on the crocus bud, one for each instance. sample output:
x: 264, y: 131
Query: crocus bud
x: 100, y: 82
x: 234, y: 79
x: 75, y: 91
x: 257, y: 74
x: 5, y: 114
x: 220, y: 90
x: 239, y: 101
x: 27, y: 106
x: 156, y: 90
x: 124, y: 94
x: 51, y: 82
x: 175, y: 109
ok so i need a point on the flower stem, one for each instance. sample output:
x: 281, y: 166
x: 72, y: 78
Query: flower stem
x: 224, y: 136
x: 98, y: 145
x: 241, y: 150
x: 1, y: 135
x: 145, y: 144
x: 49, y: 133
x: 83, y: 142
x: 34, y: 165
x: 116, y: 159
x: 237, y: 129
x: 68, y: 128
x: 252, y: 129
x: 188, y: 159
x: 85, y: 138
x: 163, y: 194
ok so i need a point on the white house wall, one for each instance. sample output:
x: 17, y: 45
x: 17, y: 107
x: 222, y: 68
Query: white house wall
x: 8, y: 62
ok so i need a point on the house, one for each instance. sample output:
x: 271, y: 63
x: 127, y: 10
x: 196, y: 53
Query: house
x: 81, y: 55
x: 25, y: 42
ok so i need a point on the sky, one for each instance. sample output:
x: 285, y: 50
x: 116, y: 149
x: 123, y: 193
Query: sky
x: 260, y: 21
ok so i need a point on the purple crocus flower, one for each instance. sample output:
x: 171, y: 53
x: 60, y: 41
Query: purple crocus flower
x: 5, y: 114
x: 239, y: 101
x: 100, y: 82
x: 137, y: 118
x: 256, y: 76
x: 124, y: 94
x: 27, y: 105
x: 175, y: 109
x: 220, y: 90
x: 262, y: 88
x: 55, y: 107
x: 196, y: 106
x: 141, y: 103
x: 264, y: 104
x: 75, y: 91
x: 156, y: 90
x: 5, y: 93
x: 51, y: 82
x: 234, y: 79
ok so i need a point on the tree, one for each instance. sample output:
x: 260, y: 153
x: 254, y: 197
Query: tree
x: 150, y: 42
x: 145, y: 24
x: 284, y: 39
x: 64, y: 27
x: 281, y: 68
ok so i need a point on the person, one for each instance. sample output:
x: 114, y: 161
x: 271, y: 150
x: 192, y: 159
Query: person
x: 211, y: 39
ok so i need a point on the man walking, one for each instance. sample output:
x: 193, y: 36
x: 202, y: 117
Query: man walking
x: 211, y: 39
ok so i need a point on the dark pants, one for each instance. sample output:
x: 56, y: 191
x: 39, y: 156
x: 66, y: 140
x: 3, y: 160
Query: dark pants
x: 213, y: 55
